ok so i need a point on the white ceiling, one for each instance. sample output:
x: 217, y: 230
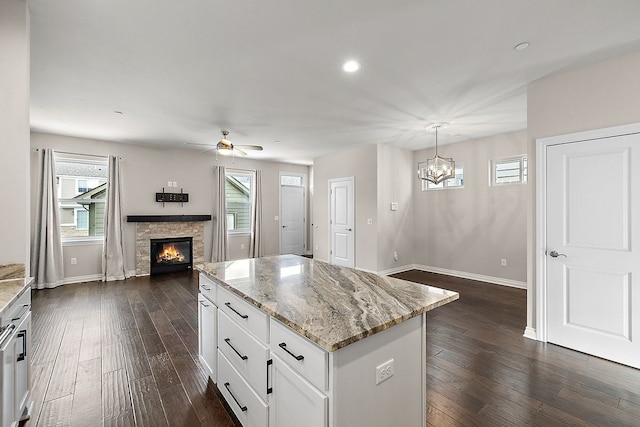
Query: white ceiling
x: 181, y: 71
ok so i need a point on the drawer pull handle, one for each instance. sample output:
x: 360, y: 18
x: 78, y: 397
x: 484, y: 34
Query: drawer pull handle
x: 25, y: 308
x: 242, y: 356
x: 244, y: 316
x: 204, y: 304
x: 23, y: 334
x: 283, y: 346
x: 206, y: 288
x: 242, y: 408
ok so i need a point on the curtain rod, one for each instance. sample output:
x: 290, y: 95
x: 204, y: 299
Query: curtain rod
x: 79, y: 154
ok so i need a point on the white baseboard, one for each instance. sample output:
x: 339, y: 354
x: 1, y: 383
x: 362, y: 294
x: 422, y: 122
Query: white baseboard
x: 394, y: 270
x: 473, y: 276
x: 530, y: 333
x: 92, y: 278
x: 82, y: 279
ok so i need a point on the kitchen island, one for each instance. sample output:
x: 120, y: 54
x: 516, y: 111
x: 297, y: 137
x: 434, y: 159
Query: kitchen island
x: 291, y: 341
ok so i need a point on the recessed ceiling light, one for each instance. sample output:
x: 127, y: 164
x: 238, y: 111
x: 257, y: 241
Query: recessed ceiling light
x: 118, y: 112
x: 521, y: 46
x: 277, y: 141
x: 351, y: 66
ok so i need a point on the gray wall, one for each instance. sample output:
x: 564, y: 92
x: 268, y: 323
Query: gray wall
x: 145, y: 170
x: 14, y: 132
x: 470, y: 229
x: 593, y: 97
x: 396, y: 176
x: 361, y: 163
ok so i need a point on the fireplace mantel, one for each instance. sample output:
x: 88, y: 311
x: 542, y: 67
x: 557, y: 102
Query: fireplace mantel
x: 167, y: 218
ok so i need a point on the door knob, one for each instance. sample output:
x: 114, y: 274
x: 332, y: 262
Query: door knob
x: 555, y: 254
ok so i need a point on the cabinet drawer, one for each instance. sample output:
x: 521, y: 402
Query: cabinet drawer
x: 207, y: 335
x: 245, y: 353
x: 245, y: 314
x: 301, y: 354
x: 250, y: 409
x: 208, y: 288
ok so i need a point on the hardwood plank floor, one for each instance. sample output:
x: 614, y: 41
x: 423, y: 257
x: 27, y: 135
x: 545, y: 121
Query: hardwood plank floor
x: 481, y: 371
x: 125, y: 353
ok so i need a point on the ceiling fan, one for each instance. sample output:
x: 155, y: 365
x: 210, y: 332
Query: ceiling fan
x: 227, y: 148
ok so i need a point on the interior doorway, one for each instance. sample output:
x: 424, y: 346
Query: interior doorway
x: 588, y: 231
x: 342, y: 221
x: 292, y: 213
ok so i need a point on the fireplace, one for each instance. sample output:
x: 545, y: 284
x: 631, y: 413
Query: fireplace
x: 171, y: 254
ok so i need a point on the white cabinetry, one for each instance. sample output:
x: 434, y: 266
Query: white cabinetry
x: 15, y: 353
x: 271, y: 376
x: 208, y: 326
x: 295, y: 402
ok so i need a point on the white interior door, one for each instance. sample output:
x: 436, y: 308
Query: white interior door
x: 593, y: 258
x: 292, y: 220
x: 342, y: 220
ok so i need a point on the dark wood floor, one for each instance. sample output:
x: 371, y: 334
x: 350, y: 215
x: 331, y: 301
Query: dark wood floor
x: 481, y: 371
x: 125, y: 353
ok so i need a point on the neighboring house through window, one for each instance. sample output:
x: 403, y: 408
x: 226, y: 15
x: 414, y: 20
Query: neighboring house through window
x: 82, y: 189
x: 239, y: 197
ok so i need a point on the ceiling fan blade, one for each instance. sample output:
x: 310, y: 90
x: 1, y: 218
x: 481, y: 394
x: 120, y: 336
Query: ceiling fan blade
x: 238, y: 152
x: 198, y: 143
x: 249, y: 147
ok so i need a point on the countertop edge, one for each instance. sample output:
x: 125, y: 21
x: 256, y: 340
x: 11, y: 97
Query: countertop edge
x: 18, y: 288
x: 330, y: 347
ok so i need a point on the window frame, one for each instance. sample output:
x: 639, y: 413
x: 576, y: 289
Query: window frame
x: 252, y: 175
x: 70, y: 203
x: 446, y: 184
x: 523, y: 170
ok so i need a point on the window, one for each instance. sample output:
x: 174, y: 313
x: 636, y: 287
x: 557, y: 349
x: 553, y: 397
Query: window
x: 239, y: 197
x: 82, y: 190
x: 457, y: 182
x: 291, y: 180
x: 512, y: 170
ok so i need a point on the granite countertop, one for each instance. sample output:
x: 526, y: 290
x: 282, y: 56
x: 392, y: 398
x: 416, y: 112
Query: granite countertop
x: 11, y: 290
x: 333, y: 306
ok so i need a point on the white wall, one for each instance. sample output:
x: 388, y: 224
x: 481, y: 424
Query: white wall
x: 593, y: 97
x: 396, y: 176
x: 145, y: 170
x: 361, y: 163
x: 469, y: 230
x: 14, y: 132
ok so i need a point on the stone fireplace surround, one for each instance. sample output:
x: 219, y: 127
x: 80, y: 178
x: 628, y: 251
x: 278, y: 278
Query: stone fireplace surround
x: 162, y: 226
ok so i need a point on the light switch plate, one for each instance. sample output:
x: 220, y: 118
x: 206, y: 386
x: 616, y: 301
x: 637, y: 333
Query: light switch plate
x: 394, y: 206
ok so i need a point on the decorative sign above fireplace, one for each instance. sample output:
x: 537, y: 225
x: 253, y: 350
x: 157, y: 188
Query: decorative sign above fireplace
x: 170, y: 255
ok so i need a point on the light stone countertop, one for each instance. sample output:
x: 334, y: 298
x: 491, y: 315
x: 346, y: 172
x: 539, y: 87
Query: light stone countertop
x: 11, y: 290
x: 333, y: 306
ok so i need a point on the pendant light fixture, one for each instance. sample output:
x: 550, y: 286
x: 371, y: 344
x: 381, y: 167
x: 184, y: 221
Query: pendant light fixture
x: 438, y: 168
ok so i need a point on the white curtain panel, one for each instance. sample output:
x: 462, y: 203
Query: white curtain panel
x: 113, y: 249
x: 220, y: 247
x: 46, y: 246
x: 255, y: 248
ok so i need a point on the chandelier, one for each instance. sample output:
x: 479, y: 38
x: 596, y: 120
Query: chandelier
x: 437, y: 169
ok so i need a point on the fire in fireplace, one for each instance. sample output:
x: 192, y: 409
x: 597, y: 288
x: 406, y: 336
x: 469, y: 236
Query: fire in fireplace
x: 171, y: 254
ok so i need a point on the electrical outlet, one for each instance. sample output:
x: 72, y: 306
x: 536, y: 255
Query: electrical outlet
x: 74, y: 261
x: 503, y: 262
x: 384, y: 371
x: 369, y: 221
x: 316, y: 247
x: 395, y: 256
x: 169, y: 183
x: 394, y: 206
x: 175, y: 184
x: 241, y: 245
